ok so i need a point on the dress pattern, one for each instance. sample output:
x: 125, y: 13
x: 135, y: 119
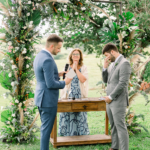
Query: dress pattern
x: 73, y: 123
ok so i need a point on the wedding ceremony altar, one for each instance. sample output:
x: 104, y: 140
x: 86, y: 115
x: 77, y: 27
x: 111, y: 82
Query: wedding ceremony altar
x: 80, y: 105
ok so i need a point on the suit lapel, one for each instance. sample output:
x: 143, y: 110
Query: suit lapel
x: 115, y: 66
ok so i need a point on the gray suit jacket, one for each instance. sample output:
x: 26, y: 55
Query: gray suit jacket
x: 117, y: 79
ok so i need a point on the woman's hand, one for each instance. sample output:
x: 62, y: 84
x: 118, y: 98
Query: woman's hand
x: 74, y: 66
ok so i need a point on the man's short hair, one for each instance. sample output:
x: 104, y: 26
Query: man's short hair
x: 109, y: 47
x: 53, y: 38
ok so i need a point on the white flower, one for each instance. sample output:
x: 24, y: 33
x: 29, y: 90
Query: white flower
x: 9, y: 43
x: 14, y: 66
x: 12, y: 83
x: 17, y: 48
x: 24, y: 52
x: 124, y: 34
x: 126, y: 46
x: 93, y: 14
x: 83, y: 8
x: 59, y: 9
x: 87, y: 1
x: 13, y: 115
x: 28, y: 14
x: 24, y: 102
x: 10, y: 75
x: 131, y: 88
x: 2, y: 64
x: 11, y: 61
x: 16, y: 101
x: 29, y: 2
x: 34, y: 130
x: 8, y: 122
x: 27, y: 66
x: 64, y: 9
x: 65, y: 6
x: 12, y: 14
x: 27, y: 113
x: 30, y: 26
x: 133, y: 28
x: 31, y: 22
x: 39, y: 0
x: 24, y: 27
x: 76, y: 13
x: 37, y: 4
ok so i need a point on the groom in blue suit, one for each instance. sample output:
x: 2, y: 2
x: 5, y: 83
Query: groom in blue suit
x: 48, y: 85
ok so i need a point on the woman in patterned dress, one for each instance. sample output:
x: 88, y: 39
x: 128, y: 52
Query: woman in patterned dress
x: 75, y: 123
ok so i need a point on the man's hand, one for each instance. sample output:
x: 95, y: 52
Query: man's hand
x: 67, y: 80
x: 106, y: 62
x: 107, y: 100
x: 61, y: 73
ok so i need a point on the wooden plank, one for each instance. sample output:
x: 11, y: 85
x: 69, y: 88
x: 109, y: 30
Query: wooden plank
x: 85, y: 106
x: 106, y: 123
x: 91, y: 99
x: 55, y: 133
x: 64, y: 107
x: 83, y: 139
x: 102, y: 106
x: 52, y: 133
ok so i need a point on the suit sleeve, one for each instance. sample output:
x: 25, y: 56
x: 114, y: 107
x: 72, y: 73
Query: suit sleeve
x: 124, y: 75
x: 105, y: 75
x: 48, y: 69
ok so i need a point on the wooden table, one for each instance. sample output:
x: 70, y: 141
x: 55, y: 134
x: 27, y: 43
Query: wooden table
x: 87, y: 104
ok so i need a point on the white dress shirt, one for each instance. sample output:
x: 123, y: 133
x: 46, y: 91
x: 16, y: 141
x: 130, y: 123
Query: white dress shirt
x: 48, y: 52
x: 112, y: 68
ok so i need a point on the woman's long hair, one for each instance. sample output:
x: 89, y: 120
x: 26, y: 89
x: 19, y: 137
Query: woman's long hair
x: 81, y: 57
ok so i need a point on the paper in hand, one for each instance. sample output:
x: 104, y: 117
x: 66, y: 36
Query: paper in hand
x: 71, y: 74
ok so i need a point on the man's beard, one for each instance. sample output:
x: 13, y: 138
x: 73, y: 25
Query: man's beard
x: 112, y: 59
x: 54, y: 51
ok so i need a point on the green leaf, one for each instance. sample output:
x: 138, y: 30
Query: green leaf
x: 31, y: 95
x: 128, y: 15
x: 5, y: 115
x: 5, y: 80
x: 2, y: 30
x: 35, y: 17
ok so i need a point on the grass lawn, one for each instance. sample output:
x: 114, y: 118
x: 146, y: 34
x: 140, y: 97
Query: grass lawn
x: 96, y: 120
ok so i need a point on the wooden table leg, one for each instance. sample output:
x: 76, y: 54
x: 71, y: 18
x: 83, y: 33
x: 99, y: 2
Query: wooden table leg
x: 106, y: 123
x: 52, y: 133
x: 55, y: 133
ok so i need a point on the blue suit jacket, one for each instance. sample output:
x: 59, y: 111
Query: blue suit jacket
x: 48, y: 84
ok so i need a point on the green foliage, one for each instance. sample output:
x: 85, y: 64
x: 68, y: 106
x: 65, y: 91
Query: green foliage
x: 5, y: 80
x: 31, y: 95
x: 146, y: 75
x: 132, y: 122
x: 5, y: 115
x: 36, y: 18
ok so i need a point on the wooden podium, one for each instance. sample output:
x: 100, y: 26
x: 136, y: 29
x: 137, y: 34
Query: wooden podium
x: 87, y: 104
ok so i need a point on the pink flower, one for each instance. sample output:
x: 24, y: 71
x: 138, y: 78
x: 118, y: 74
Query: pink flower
x: 10, y: 47
x: 11, y: 103
x: 9, y: 50
x: 25, y: 109
x: 34, y: 8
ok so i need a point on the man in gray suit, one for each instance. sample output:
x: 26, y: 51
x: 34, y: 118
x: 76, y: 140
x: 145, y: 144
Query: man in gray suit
x: 48, y: 85
x: 116, y: 75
